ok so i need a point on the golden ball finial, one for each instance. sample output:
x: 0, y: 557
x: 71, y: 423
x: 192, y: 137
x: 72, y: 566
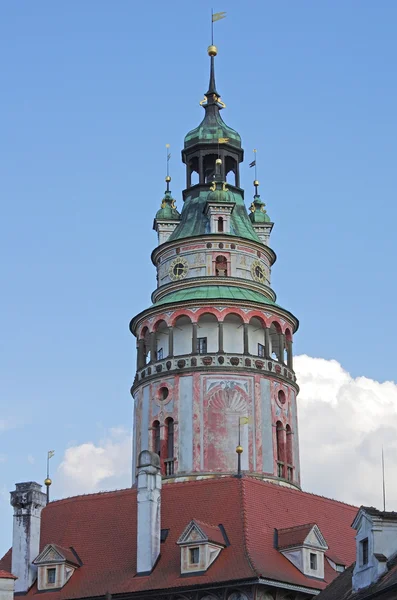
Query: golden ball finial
x: 239, y: 449
x: 218, y: 161
x: 256, y: 183
x: 212, y: 50
x: 47, y: 481
x: 168, y: 179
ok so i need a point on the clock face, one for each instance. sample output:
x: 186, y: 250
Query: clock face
x: 258, y: 272
x: 178, y: 269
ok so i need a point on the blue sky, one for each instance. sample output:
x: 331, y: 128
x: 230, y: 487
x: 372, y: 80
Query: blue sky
x: 91, y: 93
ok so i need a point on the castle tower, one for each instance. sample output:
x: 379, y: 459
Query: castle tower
x: 214, y: 351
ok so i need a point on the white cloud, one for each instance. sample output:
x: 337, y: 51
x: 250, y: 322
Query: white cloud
x: 343, y: 423
x: 93, y: 467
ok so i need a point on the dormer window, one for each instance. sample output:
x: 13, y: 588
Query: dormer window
x: 304, y: 546
x: 200, y: 545
x: 55, y: 566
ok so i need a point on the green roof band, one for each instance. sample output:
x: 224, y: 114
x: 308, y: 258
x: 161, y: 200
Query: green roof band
x: 215, y: 292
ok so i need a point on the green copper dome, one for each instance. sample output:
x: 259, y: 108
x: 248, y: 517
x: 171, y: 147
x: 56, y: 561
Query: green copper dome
x: 258, y: 213
x: 194, y: 221
x: 211, y: 128
x: 220, y: 195
x: 168, y: 211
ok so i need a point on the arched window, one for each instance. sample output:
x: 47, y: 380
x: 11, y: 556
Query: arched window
x: 156, y: 437
x: 221, y: 266
x: 290, y: 464
x: 220, y: 224
x: 280, y: 449
x: 169, y: 461
x: 274, y: 334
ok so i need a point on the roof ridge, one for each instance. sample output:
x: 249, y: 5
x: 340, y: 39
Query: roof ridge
x: 311, y: 524
x: 296, y: 491
x: 245, y: 528
x: 92, y: 495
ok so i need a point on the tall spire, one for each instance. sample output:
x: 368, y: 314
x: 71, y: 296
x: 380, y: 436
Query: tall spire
x: 212, y: 51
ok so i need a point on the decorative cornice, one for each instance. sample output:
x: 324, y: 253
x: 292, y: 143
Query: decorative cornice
x: 212, y: 280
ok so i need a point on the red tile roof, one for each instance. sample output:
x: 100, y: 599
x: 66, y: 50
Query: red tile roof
x: 293, y: 536
x: 102, y: 530
x: 6, y: 575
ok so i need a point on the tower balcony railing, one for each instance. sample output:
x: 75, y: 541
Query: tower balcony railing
x: 215, y: 361
x: 169, y: 466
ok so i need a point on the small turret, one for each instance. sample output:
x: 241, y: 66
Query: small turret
x: 259, y: 218
x: 167, y: 217
x: 220, y: 203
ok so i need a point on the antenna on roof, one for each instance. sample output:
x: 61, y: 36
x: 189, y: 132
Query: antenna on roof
x: 383, y: 481
x: 47, y: 480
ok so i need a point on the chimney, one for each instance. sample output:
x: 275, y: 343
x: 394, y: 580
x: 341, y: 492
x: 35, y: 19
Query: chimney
x: 28, y: 501
x: 148, y: 502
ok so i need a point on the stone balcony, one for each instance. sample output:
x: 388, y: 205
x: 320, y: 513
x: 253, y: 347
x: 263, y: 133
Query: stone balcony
x: 216, y: 362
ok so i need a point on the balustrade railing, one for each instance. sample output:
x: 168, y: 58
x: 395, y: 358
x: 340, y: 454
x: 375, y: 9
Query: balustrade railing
x: 169, y: 466
x: 216, y: 361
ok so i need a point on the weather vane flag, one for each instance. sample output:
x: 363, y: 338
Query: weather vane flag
x: 215, y: 17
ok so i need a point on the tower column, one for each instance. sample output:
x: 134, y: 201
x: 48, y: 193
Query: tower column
x: 220, y: 337
x: 194, y: 338
x: 267, y: 342
x: 281, y: 346
x: 201, y: 169
x: 289, y: 355
x: 141, y: 354
x: 246, y: 350
x: 170, y: 341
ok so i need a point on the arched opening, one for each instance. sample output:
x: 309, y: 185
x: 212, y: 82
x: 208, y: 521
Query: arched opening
x: 162, y: 336
x: 281, y: 397
x: 274, y: 335
x: 207, y: 334
x: 156, y: 443
x: 221, y: 266
x: 231, y: 170
x: 233, y: 334
x: 280, y: 449
x: 209, y: 167
x: 169, y: 460
x: 193, y: 172
x: 220, y: 224
x: 290, y: 459
x: 256, y: 337
x: 194, y: 178
x: 183, y: 333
